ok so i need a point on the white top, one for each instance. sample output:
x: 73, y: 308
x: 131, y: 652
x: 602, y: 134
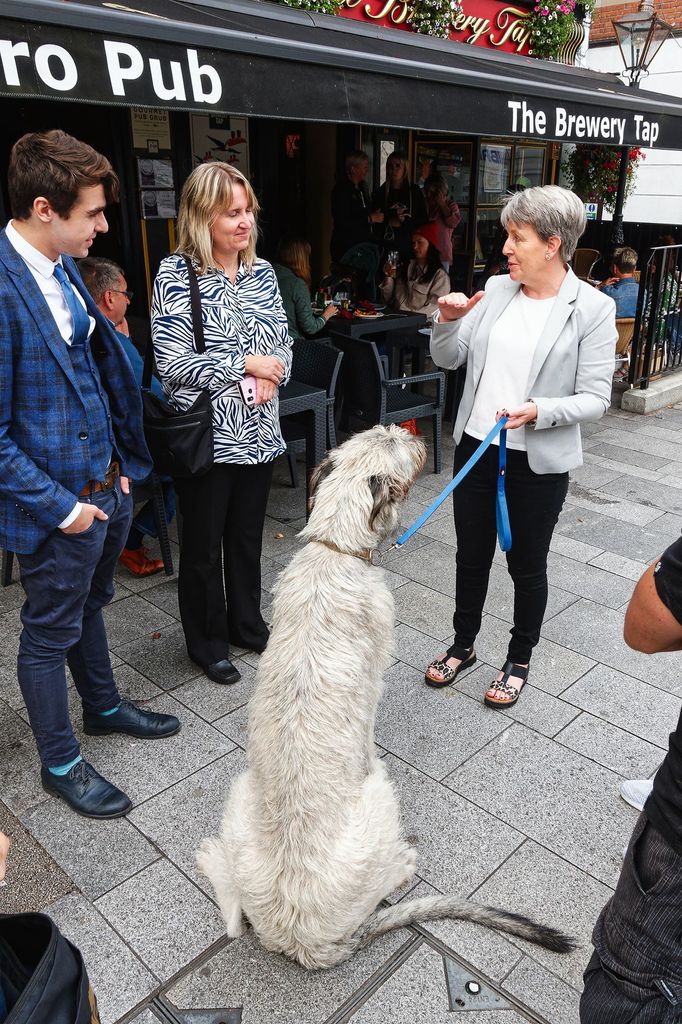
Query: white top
x: 511, y: 347
x: 42, y: 269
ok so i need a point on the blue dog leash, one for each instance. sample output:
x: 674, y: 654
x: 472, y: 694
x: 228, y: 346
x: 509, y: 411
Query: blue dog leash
x: 501, y: 511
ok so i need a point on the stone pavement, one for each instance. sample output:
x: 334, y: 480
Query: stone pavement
x: 520, y: 809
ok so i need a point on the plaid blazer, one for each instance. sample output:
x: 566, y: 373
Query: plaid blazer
x: 44, y: 454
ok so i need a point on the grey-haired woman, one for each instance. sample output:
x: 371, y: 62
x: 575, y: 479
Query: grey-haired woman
x: 539, y: 347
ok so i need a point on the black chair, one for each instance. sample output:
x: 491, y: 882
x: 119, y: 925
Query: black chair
x: 153, y: 489
x: 316, y: 364
x: 371, y: 397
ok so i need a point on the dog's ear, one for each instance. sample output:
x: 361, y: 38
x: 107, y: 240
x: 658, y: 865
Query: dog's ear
x: 320, y: 473
x: 384, y: 492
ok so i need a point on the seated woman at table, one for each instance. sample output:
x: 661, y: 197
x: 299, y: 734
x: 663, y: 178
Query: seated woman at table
x: 245, y: 333
x: 292, y: 270
x: 538, y: 346
x: 417, y: 287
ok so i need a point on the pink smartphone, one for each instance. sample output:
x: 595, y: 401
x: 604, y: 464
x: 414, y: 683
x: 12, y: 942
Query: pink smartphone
x: 247, y: 386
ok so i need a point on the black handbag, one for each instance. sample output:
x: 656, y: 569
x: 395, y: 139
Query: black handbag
x: 180, y: 443
x: 42, y: 976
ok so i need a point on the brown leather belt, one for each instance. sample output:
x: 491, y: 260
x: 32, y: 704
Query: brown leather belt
x: 95, y: 486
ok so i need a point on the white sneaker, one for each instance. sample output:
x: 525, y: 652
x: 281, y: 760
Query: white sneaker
x: 636, y: 792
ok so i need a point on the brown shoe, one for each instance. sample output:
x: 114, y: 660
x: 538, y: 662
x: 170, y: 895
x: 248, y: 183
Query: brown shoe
x: 138, y: 564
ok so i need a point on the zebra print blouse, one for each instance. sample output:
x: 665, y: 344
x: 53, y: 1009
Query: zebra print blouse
x: 240, y: 319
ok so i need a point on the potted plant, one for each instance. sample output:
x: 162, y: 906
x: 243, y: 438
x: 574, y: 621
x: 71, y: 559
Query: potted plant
x: 553, y: 25
x: 592, y: 172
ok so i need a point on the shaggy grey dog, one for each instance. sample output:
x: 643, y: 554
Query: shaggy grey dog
x: 311, y: 841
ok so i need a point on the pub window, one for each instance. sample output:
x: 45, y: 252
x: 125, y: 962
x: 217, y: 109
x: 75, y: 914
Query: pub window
x: 503, y: 167
x: 452, y: 160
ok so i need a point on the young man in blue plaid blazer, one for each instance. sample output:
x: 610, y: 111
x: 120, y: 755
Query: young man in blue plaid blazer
x: 70, y: 439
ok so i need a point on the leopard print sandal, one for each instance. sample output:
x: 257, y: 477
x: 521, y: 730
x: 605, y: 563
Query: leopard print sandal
x: 466, y: 658
x: 511, y: 693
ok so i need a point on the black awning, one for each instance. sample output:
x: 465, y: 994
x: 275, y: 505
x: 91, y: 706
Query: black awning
x: 246, y: 57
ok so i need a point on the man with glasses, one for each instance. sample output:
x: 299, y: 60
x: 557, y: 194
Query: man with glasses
x: 106, y: 282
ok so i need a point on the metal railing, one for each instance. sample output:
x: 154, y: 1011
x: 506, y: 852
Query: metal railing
x: 657, y: 339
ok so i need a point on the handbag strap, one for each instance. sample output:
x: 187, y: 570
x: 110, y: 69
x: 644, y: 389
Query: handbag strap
x: 197, y: 325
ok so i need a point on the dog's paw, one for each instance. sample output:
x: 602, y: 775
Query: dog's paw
x: 235, y: 925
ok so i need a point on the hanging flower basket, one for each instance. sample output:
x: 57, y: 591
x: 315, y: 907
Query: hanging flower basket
x: 433, y: 17
x: 592, y: 172
x: 319, y: 6
x: 550, y: 26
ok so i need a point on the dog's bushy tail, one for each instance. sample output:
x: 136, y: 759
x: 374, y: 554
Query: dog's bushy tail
x: 430, y: 908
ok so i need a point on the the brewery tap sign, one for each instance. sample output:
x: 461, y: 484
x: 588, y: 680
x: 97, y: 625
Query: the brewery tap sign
x: 500, y: 26
x: 56, y: 62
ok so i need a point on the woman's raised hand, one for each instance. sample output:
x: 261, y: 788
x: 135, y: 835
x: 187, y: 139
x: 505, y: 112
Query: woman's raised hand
x: 456, y: 305
x: 265, y: 367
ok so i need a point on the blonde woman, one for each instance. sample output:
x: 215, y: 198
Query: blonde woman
x: 245, y: 331
x: 292, y: 270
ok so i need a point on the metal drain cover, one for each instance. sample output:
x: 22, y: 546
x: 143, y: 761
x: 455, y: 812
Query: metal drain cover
x: 170, y: 1014
x: 467, y: 992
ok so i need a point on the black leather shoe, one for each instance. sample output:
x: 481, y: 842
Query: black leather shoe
x: 132, y: 721
x: 222, y: 671
x: 86, y: 792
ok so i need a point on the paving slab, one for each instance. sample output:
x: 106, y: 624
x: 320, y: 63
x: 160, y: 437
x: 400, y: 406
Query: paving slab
x: 646, y: 492
x: 133, y: 618
x: 636, y: 442
x: 546, y: 993
x: 593, y: 528
x: 97, y: 855
x: 511, y: 778
x: 629, y: 568
x: 197, y: 801
x: 165, y: 919
x: 212, y: 700
x: 620, y: 453
x: 143, y: 768
x: 592, y: 475
x: 536, y: 709
x: 161, y: 657
x: 458, y: 843
x: 165, y: 597
x: 432, y: 565
x: 32, y: 879
x: 21, y: 787
x: 628, y: 703
x: 274, y: 990
x: 614, y: 748
x: 424, y: 610
x: 548, y: 889
x: 118, y: 977
x: 418, y: 991
x: 576, y: 549
x: 618, y: 509
x: 594, y: 630
x: 434, y: 730
x: 587, y: 580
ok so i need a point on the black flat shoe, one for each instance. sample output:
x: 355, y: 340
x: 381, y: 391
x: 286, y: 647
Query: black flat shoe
x: 466, y: 658
x: 222, y: 672
x: 131, y: 720
x: 86, y: 792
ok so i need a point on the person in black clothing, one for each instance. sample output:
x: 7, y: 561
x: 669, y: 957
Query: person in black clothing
x: 635, y: 973
x: 403, y: 207
x: 353, y: 243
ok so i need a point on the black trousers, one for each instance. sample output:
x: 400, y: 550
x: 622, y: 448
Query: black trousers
x: 635, y: 974
x: 534, y: 501
x: 219, y: 583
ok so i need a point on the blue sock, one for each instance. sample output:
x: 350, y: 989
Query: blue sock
x: 64, y: 769
x: 112, y: 712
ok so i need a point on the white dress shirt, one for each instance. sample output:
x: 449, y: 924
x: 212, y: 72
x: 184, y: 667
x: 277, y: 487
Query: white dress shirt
x: 42, y: 269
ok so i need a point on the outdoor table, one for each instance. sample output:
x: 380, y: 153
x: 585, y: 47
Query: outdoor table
x: 389, y: 327
x: 311, y: 404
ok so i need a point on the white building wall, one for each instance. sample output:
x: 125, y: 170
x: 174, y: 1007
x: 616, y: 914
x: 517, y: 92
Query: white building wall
x: 657, y: 198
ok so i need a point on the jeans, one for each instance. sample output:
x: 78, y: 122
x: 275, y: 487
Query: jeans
x: 535, y: 501
x: 67, y: 582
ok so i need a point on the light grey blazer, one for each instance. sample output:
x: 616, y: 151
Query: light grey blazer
x: 571, y: 372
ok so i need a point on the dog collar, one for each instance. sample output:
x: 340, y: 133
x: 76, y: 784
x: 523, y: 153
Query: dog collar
x: 365, y: 556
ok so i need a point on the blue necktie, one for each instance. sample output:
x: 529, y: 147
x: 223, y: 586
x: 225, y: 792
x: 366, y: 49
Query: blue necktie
x: 81, y: 320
